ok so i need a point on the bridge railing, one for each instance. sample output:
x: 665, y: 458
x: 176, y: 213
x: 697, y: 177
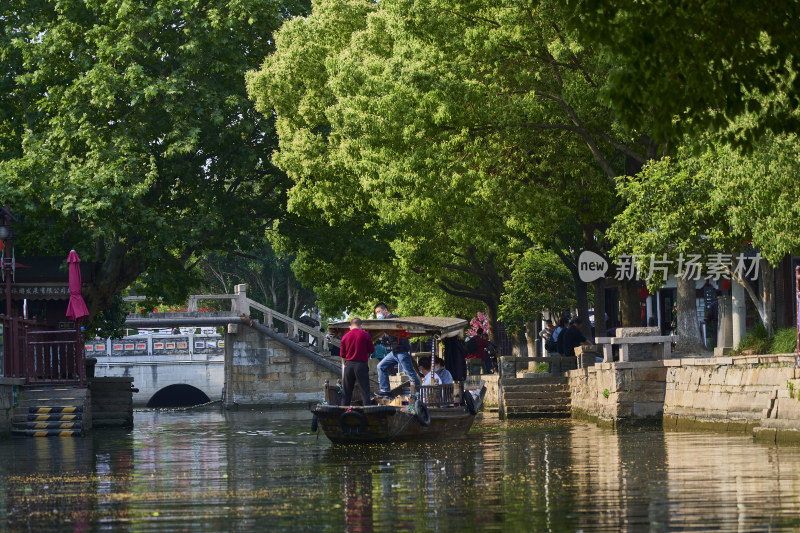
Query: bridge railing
x: 294, y: 328
x: 242, y: 305
x: 175, y: 345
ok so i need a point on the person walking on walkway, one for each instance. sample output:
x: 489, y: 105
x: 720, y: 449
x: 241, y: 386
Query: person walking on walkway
x: 399, y: 354
x: 355, y: 347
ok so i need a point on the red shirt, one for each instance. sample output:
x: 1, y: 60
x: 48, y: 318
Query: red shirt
x: 356, y: 346
x: 480, y: 353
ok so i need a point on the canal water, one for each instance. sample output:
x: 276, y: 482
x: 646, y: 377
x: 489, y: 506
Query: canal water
x: 265, y: 471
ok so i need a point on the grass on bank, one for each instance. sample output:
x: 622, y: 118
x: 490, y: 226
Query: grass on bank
x: 758, y: 342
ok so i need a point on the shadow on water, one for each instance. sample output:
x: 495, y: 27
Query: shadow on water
x: 252, y: 471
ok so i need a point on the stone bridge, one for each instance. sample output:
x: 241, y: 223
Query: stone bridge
x: 278, y: 362
x: 168, y: 370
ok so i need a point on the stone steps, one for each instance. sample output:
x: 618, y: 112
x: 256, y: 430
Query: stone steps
x: 47, y: 432
x: 55, y: 392
x: 50, y: 412
x: 535, y: 413
x: 536, y: 388
x: 535, y: 381
x: 54, y: 417
x: 542, y: 396
x: 544, y: 404
x: 74, y: 425
x: 539, y: 397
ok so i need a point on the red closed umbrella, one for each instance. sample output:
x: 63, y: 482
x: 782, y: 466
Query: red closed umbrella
x: 76, y: 309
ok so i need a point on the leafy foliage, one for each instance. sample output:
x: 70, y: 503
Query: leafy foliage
x: 691, y: 67
x: 540, y: 282
x: 128, y: 134
x: 461, y: 133
x: 110, y: 322
x: 714, y: 200
x: 269, y: 277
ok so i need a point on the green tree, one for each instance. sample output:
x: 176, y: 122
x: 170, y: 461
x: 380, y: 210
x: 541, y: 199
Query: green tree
x: 711, y: 199
x: 269, y: 277
x: 690, y: 67
x: 540, y: 282
x: 472, y: 130
x: 128, y: 134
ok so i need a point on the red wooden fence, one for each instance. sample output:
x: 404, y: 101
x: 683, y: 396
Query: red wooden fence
x: 42, y: 356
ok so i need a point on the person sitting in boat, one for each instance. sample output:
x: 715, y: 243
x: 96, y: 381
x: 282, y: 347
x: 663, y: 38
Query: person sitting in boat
x: 355, y: 347
x: 440, y: 376
x: 399, y: 353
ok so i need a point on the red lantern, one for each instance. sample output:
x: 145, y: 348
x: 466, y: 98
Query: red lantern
x: 643, y: 294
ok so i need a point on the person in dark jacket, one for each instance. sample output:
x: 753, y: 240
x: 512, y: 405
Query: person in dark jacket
x: 399, y: 354
x: 558, y: 335
x: 573, y: 337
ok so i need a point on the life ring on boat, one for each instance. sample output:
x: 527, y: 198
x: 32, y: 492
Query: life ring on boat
x: 469, y: 402
x: 314, y: 424
x: 422, y: 414
x: 352, y: 422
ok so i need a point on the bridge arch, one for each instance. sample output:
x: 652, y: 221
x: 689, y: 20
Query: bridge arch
x: 178, y: 395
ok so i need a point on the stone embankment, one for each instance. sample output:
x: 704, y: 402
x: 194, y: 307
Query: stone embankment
x: 751, y: 394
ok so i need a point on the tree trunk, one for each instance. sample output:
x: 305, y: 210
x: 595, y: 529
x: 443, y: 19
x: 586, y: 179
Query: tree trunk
x: 763, y: 302
x: 111, y: 275
x: 273, y: 292
x: 289, y: 293
x: 491, y: 313
x: 630, y: 305
x: 520, y: 347
x: 600, y: 308
x: 488, y: 290
x: 690, y: 338
x: 767, y: 294
x: 582, y: 298
x: 532, y: 334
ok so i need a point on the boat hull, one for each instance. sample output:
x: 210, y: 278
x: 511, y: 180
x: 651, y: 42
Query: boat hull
x: 378, y: 423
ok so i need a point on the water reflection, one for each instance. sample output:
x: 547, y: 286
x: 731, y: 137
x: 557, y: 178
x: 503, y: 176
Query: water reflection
x: 247, y: 470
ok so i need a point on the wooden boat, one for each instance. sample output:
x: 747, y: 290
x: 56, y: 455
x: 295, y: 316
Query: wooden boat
x: 432, y: 412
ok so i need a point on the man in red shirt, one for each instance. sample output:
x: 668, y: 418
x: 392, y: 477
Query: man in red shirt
x: 355, y: 347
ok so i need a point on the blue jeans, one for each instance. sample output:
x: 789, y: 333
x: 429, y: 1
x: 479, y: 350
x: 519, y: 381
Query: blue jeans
x: 403, y: 361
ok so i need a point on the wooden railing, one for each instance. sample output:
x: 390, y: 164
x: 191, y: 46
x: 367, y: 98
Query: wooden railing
x: 42, y: 356
x: 54, y: 357
x: 436, y: 395
x: 13, y: 346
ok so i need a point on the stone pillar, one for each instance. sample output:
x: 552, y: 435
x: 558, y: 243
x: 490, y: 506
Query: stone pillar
x: 531, y: 336
x: 230, y: 336
x: 725, y: 331
x: 739, y: 314
x: 239, y: 304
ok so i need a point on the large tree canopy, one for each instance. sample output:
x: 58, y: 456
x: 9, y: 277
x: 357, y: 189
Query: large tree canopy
x: 693, y: 66
x: 128, y: 135
x: 471, y: 130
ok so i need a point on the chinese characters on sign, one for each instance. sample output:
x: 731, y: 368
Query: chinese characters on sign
x: 40, y: 292
x: 690, y: 266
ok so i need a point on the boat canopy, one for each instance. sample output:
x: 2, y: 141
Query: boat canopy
x: 414, y: 326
